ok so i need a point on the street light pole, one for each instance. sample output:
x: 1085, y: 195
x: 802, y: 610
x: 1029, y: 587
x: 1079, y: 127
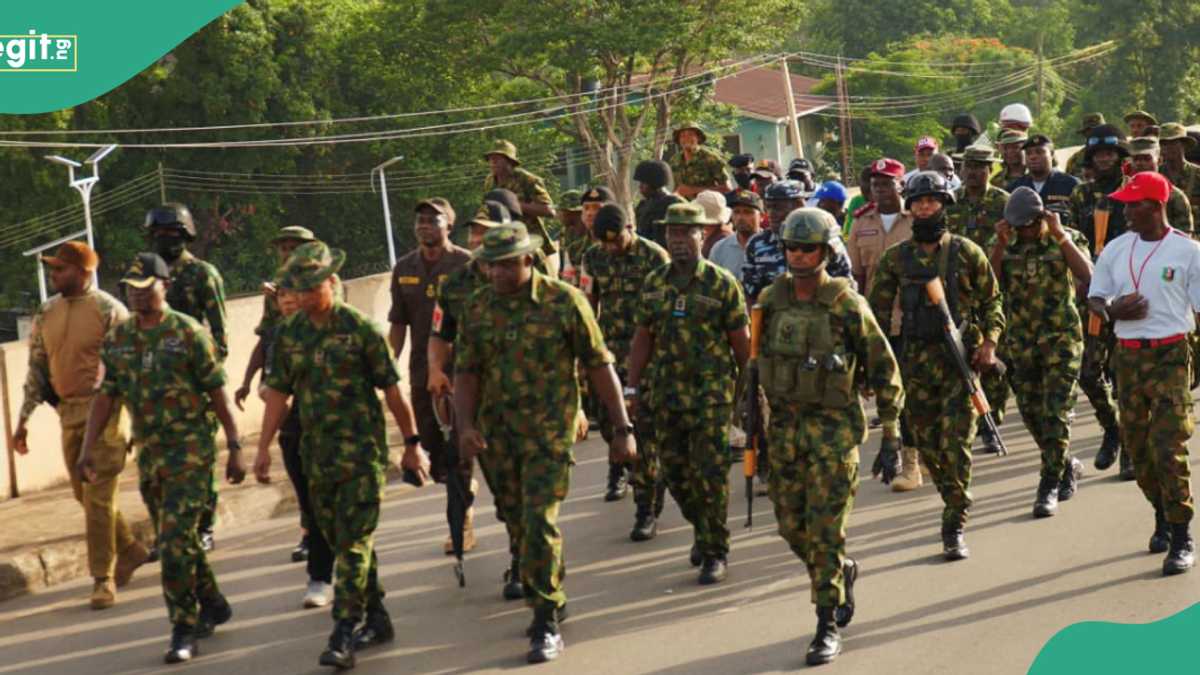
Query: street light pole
x: 84, y: 187
x: 387, y: 210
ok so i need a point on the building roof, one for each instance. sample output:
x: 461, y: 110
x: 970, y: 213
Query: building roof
x: 759, y: 93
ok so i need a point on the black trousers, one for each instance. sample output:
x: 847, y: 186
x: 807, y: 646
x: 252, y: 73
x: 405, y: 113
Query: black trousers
x: 320, y: 557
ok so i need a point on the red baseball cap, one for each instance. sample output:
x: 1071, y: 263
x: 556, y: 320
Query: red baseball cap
x: 927, y: 142
x: 887, y: 167
x: 1145, y: 185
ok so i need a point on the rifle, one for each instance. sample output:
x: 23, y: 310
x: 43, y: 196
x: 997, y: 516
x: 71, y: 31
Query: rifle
x: 457, y: 499
x: 754, y: 418
x: 1093, y: 353
x: 958, y: 352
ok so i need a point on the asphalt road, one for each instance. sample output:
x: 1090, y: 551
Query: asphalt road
x: 636, y: 608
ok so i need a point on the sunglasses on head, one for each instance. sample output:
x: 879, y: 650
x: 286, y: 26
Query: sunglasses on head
x: 1107, y: 140
x: 803, y: 248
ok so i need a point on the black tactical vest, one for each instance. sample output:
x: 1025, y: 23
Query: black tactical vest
x: 920, y: 319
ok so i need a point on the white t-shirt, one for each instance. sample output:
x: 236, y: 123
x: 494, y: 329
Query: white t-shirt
x: 1165, y: 272
x: 889, y: 219
x: 1038, y: 185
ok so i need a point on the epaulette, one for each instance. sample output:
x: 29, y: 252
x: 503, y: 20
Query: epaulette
x: 864, y: 209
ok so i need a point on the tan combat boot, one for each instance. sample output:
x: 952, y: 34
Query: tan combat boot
x: 910, y: 476
x: 104, y: 594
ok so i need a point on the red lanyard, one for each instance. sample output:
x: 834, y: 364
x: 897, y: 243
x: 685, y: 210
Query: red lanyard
x: 1137, y: 279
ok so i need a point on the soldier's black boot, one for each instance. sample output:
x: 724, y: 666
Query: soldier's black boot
x: 376, y: 630
x: 183, y: 644
x: 340, y: 651
x: 991, y: 444
x: 713, y: 571
x: 827, y: 644
x: 1160, y: 541
x: 845, y: 612
x: 660, y: 498
x: 1069, y: 483
x: 213, y: 613
x: 954, y: 546
x: 1182, y: 556
x: 512, y: 581
x: 545, y: 643
x: 1127, y: 466
x: 618, y: 483
x: 645, y: 525
x: 560, y: 615
x: 1046, y: 504
x: 1109, y: 447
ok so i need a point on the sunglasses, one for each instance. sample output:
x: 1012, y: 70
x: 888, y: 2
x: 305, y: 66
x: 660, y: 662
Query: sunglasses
x: 1107, y: 140
x: 803, y: 248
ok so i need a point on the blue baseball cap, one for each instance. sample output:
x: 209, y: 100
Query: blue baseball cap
x: 831, y: 189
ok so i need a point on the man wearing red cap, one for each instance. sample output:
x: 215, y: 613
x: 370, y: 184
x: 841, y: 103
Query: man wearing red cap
x: 922, y: 152
x: 64, y: 370
x: 1147, y: 281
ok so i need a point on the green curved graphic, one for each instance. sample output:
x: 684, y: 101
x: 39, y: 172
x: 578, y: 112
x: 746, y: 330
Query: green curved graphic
x: 89, y: 47
x: 1097, y: 647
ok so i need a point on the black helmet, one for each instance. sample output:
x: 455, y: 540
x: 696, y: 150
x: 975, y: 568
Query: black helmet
x: 966, y: 121
x: 507, y: 198
x: 171, y: 215
x: 784, y: 189
x: 653, y: 172
x: 927, y: 183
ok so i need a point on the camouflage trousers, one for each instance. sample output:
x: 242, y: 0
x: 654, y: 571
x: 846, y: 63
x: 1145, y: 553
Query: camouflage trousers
x: 995, y: 387
x: 693, y: 447
x: 942, y: 421
x: 812, y: 484
x: 1156, y: 423
x: 647, y: 470
x: 1043, y: 381
x: 529, y: 478
x: 1095, y: 378
x: 187, y: 578
x: 347, y: 513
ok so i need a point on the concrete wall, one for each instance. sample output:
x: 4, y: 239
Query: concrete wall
x: 43, y: 466
x: 767, y: 140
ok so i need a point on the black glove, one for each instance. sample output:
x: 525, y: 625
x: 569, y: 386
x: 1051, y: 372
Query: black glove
x: 887, y: 462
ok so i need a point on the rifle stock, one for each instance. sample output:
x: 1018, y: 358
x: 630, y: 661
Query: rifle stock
x: 753, y: 420
x: 1100, y: 222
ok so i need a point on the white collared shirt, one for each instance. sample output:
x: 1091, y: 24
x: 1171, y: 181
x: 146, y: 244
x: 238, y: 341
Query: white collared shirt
x: 1166, y: 273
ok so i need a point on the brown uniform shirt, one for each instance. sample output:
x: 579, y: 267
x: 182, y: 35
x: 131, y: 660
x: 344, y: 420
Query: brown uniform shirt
x: 415, y: 285
x: 868, y: 240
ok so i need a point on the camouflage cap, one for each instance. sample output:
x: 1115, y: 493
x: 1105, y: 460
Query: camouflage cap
x: 1012, y: 136
x: 1141, y: 114
x: 980, y: 153
x: 438, y: 205
x: 1023, y: 205
x: 1174, y: 131
x: 146, y: 268
x: 687, y: 213
x: 689, y: 125
x: 293, y: 233
x: 309, y: 265
x: 505, y: 149
x: 1144, y: 145
x: 1090, y: 121
x: 507, y: 241
x: 571, y: 200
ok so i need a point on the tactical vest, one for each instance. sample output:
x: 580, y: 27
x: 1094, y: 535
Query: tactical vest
x: 920, y: 319
x: 804, y: 361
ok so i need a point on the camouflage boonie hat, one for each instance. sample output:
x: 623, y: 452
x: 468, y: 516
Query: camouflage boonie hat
x: 980, y: 153
x: 1141, y: 114
x: 688, y: 213
x: 504, y: 149
x: 1174, y: 131
x: 293, y: 232
x: 1089, y: 122
x: 507, y: 241
x: 1012, y: 136
x: 689, y: 125
x: 571, y: 200
x: 309, y: 265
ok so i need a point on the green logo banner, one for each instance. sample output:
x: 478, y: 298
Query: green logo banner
x: 1097, y: 647
x: 55, y: 55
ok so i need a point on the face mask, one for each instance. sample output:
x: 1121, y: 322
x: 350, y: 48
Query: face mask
x: 929, y: 230
x: 743, y: 180
x: 169, y: 248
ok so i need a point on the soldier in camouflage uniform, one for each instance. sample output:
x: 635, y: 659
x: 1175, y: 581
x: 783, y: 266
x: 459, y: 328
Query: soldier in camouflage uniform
x: 576, y: 239
x: 165, y: 367
x: 1075, y: 163
x: 1038, y: 270
x: 506, y: 173
x: 978, y: 206
x: 1140, y: 123
x: 817, y: 420
x: 692, y: 333
x: 1143, y: 156
x: 1012, y: 155
x: 696, y: 167
x: 1105, y: 150
x: 937, y: 402
x: 516, y: 397
x: 332, y: 358
x: 613, y: 273
x: 197, y: 290
x: 1175, y: 144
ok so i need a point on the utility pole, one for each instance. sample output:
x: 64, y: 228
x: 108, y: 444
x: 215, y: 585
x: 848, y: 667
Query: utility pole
x: 162, y: 185
x: 844, y: 127
x: 793, y: 122
x: 1041, y: 80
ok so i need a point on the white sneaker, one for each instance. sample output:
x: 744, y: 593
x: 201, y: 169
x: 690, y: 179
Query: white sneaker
x: 317, y: 594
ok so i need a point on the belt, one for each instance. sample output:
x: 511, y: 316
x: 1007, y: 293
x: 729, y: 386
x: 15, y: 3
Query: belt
x: 1144, y: 343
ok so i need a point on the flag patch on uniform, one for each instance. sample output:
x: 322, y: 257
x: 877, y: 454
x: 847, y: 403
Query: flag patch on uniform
x: 1168, y: 274
x: 437, y: 318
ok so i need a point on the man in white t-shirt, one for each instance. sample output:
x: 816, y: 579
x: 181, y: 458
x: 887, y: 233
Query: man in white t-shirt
x: 1148, y: 282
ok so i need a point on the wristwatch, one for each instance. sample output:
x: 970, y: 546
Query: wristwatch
x: 630, y: 392
x: 415, y: 439
x: 623, y: 431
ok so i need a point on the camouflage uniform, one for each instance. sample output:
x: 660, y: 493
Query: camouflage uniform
x: 612, y: 283
x: 164, y: 375
x: 530, y: 189
x: 937, y: 404
x: 525, y: 348
x: 333, y: 371
x: 976, y: 221
x: 1074, y: 165
x: 1043, y: 342
x: 705, y: 168
x: 813, y: 445
x: 1188, y: 181
x: 692, y: 398
x: 574, y: 247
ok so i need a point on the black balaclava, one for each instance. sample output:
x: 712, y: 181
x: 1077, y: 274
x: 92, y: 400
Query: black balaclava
x: 929, y: 230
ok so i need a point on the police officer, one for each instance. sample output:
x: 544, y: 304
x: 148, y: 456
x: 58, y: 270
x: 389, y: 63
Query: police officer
x: 937, y: 402
x: 692, y: 334
x: 1105, y: 150
x: 332, y: 358
x: 505, y: 172
x: 165, y: 368
x: 978, y: 206
x: 696, y: 167
x: 820, y: 349
x: 1038, y: 270
x: 652, y: 176
x: 196, y: 289
x: 523, y: 418
x: 612, y: 277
